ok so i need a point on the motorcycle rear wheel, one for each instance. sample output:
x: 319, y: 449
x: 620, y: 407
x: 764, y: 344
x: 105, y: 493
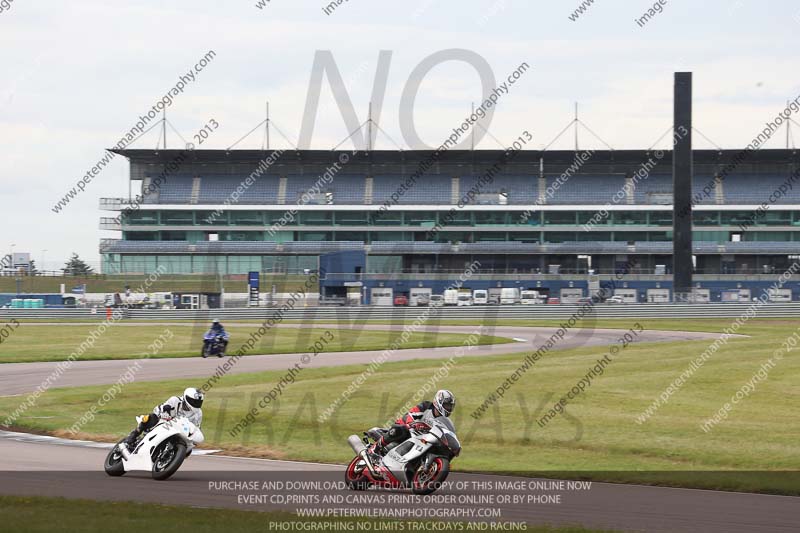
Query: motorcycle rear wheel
x: 355, y: 479
x: 113, y: 463
x: 427, y: 481
x: 169, y: 457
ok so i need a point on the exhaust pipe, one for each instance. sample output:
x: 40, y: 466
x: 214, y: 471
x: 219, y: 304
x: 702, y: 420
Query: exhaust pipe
x: 356, y: 444
x: 123, y: 449
x: 361, y: 450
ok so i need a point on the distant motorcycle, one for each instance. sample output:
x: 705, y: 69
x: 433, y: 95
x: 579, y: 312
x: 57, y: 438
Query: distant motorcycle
x: 213, y: 344
x: 422, y: 462
x: 161, y: 450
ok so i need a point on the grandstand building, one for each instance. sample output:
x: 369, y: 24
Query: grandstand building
x: 548, y: 221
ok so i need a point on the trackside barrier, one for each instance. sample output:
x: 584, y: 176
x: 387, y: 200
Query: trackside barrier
x: 532, y: 312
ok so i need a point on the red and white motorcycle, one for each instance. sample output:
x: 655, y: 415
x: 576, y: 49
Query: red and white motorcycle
x: 160, y: 451
x: 422, y: 462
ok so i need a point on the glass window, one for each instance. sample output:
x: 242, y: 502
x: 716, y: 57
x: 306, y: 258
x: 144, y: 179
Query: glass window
x: 384, y: 264
x: 452, y: 236
x: 775, y: 218
x: 241, y: 236
x: 660, y: 236
x: 352, y: 218
x: 459, y: 217
x: 316, y: 218
x: 173, y: 235
x: 526, y: 218
x: 661, y: 218
x: 560, y: 236
x: 206, y: 218
x: 420, y: 218
x: 314, y: 236
x: 630, y: 236
x: 141, y: 218
x: 177, y: 217
x: 176, y: 264
x: 705, y: 218
x: 272, y: 217
x: 734, y: 218
x: 524, y: 236
x: 490, y: 218
x: 386, y: 218
x: 596, y: 236
x: 585, y: 217
x: 246, y: 218
x: 132, y: 264
x: 711, y: 236
x: 242, y: 264
x: 771, y: 236
x: 490, y: 236
x: 629, y: 217
x: 389, y: 236
x: 350, y: 236
x: 561, y: 218
x: 140, y: 235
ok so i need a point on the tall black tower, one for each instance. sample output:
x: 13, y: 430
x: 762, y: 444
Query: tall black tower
x: 682, y: 174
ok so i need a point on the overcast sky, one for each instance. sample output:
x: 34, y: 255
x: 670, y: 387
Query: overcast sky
x: 77, y: 75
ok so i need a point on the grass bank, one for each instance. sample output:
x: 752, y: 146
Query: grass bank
x: 598, y: 437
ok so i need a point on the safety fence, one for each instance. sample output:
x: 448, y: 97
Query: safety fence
x: 520, y: 312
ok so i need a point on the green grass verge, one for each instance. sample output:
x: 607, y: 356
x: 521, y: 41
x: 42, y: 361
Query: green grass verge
x: 56, y: 515
x: 56, y: 343
x: 598, y: 438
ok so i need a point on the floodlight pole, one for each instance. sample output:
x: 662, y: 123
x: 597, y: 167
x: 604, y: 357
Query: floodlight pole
x: 369, y: 128
x: 266, y: 126
x: 576, y: 126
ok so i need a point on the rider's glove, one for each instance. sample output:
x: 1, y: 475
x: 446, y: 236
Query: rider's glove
x: 419, y: 426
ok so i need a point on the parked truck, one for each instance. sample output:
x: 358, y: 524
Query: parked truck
x: 509, y: 296
x: 480, y: 297
x: 451, y: 297
x: 530, y: 297
x: 464, y: 298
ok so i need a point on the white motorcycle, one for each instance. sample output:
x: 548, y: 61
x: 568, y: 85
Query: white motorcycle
x: 421, y: 462
x: 161, y: 450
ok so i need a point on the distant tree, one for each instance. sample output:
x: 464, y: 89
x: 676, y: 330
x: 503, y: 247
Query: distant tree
x: 32, y: 269
x: 76, y: 267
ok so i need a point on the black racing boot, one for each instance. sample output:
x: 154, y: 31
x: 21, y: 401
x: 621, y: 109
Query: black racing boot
x: 130, y: 440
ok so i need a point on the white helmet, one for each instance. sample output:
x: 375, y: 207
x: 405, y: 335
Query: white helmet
x: 444, y: 402
x: 193, y: 398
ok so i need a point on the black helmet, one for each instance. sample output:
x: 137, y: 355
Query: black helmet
x: 444, y: 402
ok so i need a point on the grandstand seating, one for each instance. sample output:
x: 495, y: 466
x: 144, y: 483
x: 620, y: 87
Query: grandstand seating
x: 585, y: 189
x: 427, y: 247
x: 428, y: 190
x: 345, y: 189
x: 217, y: 189
x: 580, y: 189
x: 176, y: 190
x: 752, y: 189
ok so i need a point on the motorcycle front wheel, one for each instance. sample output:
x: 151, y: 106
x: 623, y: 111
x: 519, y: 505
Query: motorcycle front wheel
x: 167, y: 458
x: 113, y: 463
x: 428, y: 480
x: 354, y: 476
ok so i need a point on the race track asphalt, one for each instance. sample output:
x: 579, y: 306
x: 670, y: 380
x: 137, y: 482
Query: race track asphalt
x: 19, y: 378
x: 32, y: 465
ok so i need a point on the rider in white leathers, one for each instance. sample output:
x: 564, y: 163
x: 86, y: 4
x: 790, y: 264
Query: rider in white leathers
x: 188, y: 406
